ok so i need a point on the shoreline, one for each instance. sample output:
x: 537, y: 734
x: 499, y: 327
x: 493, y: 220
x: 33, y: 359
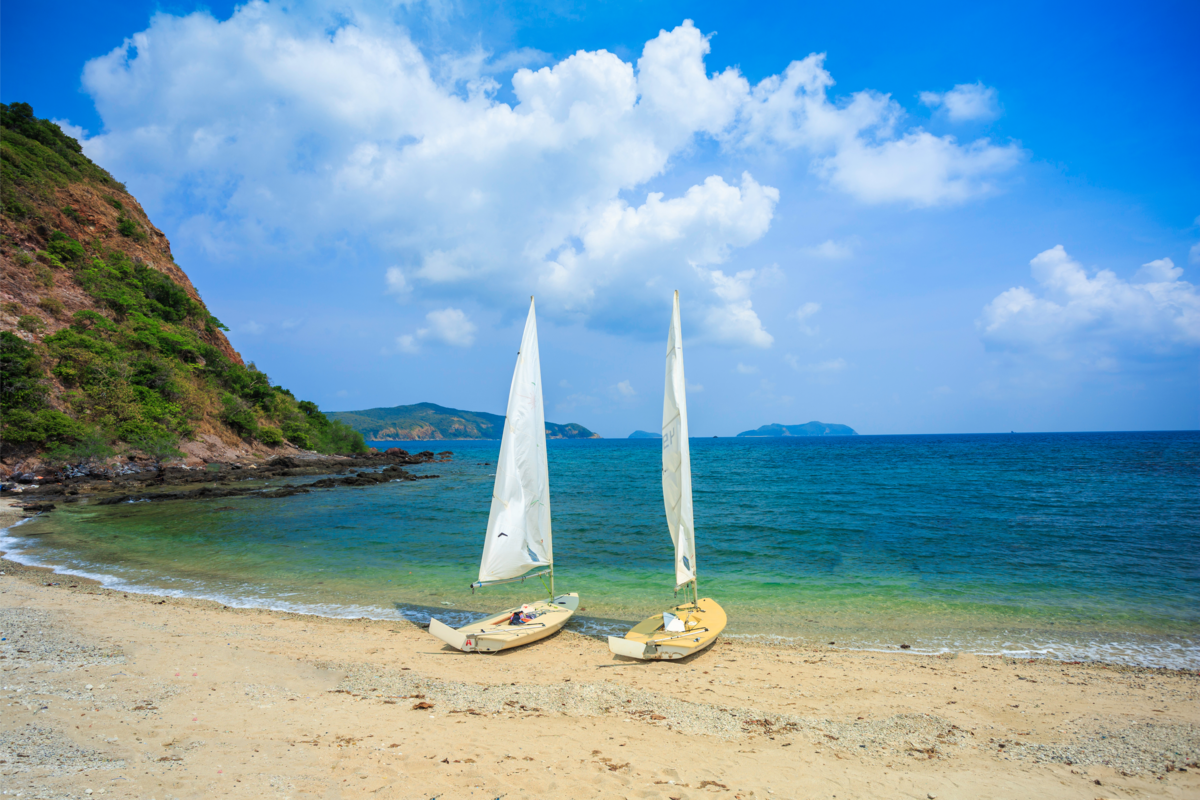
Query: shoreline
x: 143, y: 696
x: 597, y: 628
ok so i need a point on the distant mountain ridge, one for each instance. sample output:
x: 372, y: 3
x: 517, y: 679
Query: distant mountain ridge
x: 429, y: 421
x: 807, y: 429
x: 645, y: 435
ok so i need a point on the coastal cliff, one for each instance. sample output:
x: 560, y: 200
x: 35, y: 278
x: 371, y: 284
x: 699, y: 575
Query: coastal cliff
x: 106, y: 346
x: 431, y: 422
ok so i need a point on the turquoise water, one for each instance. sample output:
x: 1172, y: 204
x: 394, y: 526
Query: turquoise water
x: 1068, y: 545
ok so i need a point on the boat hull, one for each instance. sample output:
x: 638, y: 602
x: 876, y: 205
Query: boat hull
x: 648, y: 641
x: 494, y: 634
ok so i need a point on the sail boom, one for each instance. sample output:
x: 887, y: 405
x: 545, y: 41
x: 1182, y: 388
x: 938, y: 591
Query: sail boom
x: 484, y: 584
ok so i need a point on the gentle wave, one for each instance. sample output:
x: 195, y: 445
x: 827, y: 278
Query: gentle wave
x: 1069, y: 546
x: 1146, y: 653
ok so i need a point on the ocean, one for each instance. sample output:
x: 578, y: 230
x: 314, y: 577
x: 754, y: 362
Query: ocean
x: 1076, y: 546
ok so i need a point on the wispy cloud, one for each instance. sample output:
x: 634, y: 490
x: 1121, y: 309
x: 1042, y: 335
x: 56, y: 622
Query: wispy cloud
x: 1096, y: 319
x: 967, y: 102
x: 747, y: 369
x: 830, y: 250
x: 803, y: 314
x: 448, y: 326
x: 827, y: 367
x: 397, y: 284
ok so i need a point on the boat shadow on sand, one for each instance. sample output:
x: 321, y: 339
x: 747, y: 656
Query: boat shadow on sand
x: 593, y: 627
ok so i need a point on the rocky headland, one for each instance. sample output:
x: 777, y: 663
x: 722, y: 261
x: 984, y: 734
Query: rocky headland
x: 42, y: 491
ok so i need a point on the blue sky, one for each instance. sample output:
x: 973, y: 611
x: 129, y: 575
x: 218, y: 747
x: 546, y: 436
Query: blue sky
x: 942, y: 220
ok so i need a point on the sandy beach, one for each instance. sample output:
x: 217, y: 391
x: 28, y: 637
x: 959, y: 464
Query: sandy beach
x: 125, y: 695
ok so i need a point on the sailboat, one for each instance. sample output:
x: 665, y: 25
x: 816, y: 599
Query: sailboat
x: 518, y: 532
x: 695, y: 625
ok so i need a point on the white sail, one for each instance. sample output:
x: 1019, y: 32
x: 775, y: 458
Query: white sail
x: 677, y: 461
x: 518, y: 532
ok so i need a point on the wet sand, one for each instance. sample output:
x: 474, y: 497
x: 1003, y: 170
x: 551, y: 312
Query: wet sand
x: 137, y: 696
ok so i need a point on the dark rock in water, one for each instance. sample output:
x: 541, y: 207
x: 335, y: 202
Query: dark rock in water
x: 39, y: 507
x: 905, y: 646
x: 395, y: 451
x: 285, y: 491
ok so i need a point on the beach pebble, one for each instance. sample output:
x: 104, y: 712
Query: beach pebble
x: 88, y: 687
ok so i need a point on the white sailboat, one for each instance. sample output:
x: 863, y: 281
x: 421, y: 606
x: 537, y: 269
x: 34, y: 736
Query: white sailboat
x: 518, y: 533
x: 693, y: 626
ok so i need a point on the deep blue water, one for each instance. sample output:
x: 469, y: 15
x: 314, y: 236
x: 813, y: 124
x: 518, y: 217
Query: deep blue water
x: 1073, y: 545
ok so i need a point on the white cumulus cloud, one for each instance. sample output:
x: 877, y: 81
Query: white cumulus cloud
x: 966, y: 102
x: 732, y: 321
x: 857, y: 146
x: 625, y: 389
x: 1096, y: 318
x: 282, y: 133
x: 448, y: 326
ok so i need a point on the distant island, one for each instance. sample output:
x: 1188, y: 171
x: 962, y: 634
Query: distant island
x: 807, y: 429
x: 426, y: 421
x: 645, y: 435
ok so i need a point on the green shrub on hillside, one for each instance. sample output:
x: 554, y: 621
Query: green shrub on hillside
x: 24, y: 416
x: 159, y: 446
x: 237, y: 414
x: 43, y: 275
x: 89, y: 448
x: 52, y: 305
x: 269, y: 435
x: 21, y: 383
x: 65, y: 249
x: 31, y: 323
x: 129, y: 227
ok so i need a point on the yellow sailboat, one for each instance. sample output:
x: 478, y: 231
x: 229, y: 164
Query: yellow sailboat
x: 688, y: 628
x: 518, y: 534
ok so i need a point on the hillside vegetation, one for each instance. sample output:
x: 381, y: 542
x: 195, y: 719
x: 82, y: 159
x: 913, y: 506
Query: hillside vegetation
x: 105, y: 345
x: 807, y: 429
x: 428, y: 421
